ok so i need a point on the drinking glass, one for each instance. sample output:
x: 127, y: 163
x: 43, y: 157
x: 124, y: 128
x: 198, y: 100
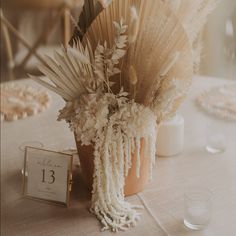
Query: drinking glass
x: 197, y: 208
x: 34, y: 144
x: 216, y: 137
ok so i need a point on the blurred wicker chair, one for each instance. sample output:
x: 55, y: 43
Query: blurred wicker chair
x: 62, y: 9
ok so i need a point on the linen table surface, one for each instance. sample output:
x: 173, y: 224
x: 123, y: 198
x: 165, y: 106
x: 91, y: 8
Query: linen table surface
x: 162, y: 198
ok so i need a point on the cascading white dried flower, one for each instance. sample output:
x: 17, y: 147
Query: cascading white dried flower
x: 115, y: 135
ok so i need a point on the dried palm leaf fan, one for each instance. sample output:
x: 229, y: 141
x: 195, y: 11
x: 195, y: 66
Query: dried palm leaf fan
x: 193, y: 16
x: 159, y: 54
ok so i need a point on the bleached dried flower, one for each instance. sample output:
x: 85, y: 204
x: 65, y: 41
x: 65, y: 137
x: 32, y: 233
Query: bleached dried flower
x: 164, y: 102
x: 133, y: 25
x: 133, y: 78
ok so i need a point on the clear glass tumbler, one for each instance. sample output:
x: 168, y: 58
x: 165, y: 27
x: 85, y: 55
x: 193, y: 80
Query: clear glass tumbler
x: 216, y: 136
x: 34, y: 144
x: 197, y: 208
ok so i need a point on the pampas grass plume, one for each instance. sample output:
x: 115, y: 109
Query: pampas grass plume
x: 133, y: 25
x: 133, y: 75
x: 105, y: 3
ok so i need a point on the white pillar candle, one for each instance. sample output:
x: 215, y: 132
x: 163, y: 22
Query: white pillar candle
x: 170, y: 137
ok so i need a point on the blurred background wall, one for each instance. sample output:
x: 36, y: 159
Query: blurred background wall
x: 219, y: 52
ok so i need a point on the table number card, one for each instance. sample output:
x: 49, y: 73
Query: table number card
x: 47, y: 175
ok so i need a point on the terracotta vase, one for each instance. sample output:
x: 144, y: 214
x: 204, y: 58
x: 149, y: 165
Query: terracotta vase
x: 133, y: 184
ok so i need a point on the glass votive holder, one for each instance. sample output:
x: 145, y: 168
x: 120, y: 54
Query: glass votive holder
x: 197, y: 208
x: 34, y: 144
x: 216, y: 136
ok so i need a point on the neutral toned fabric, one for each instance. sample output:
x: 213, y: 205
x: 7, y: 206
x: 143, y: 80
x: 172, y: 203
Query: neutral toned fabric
x: 163, y: 197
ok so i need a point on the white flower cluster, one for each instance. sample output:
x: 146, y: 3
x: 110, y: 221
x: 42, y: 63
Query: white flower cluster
x: 116, y: 126
x: 93, y: 112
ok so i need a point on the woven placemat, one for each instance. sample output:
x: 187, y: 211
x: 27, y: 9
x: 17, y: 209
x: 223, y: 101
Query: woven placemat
x: 219, y: 101
x: 20, y: 101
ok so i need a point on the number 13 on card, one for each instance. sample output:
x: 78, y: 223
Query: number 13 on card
x: 47, y: 175
x: 52, y: 176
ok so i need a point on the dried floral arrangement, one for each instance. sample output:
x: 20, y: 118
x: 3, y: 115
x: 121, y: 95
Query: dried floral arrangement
x: 131, y: 70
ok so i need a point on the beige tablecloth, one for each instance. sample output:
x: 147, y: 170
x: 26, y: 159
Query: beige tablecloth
x: 163, y: 198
